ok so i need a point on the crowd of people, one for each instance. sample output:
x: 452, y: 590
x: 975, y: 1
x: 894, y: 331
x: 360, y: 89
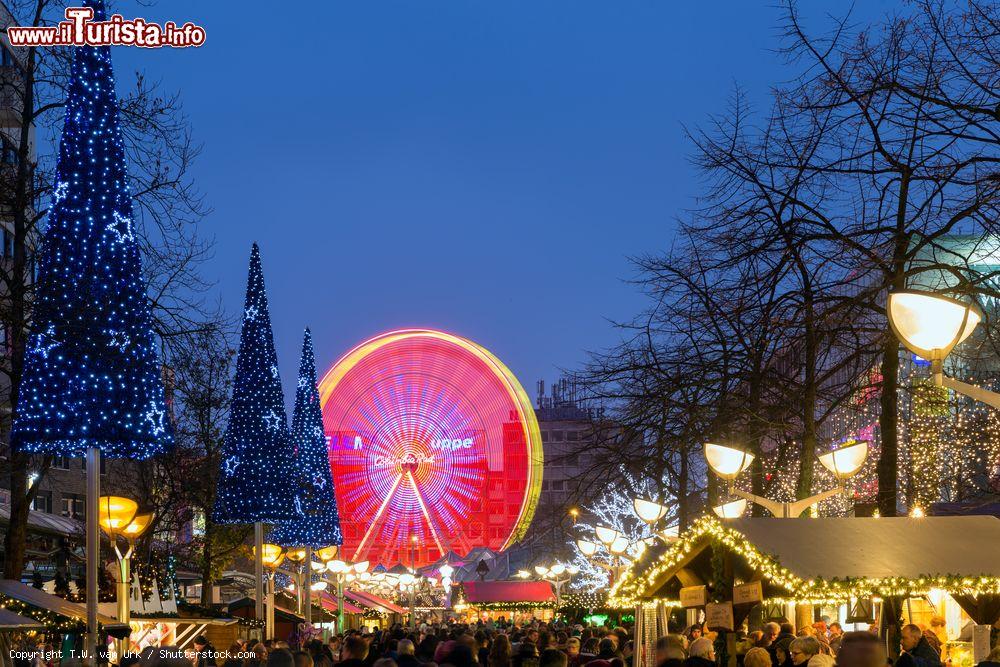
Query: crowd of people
x: 539, y: 644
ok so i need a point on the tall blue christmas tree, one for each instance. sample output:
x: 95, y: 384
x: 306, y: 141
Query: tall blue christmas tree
x: 317, y: 523
x: 253, y: 482
x: 92, y: 377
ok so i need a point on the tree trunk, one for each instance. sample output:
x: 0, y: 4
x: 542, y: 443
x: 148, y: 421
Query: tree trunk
x: 888, y: 459
x: 808, y: 455
x: 206, y: 567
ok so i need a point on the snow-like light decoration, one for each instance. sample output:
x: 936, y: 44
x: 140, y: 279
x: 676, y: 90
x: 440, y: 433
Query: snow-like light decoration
x: 254, y: 476
x: 434, y: 447
x: 82, y: 387
x: 614, y: 508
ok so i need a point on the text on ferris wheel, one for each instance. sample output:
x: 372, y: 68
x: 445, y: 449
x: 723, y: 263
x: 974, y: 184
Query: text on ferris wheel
x: 79, y: 29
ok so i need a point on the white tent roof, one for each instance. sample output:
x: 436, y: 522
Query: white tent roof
x: 841, y: 548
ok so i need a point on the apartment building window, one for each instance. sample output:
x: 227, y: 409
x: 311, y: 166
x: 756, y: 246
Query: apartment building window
x: 72, y: 506
x: 558, y: 436
x: 573, y: 436
x: 9, y: 155
x: 61, y: 462
x: 42, y: 502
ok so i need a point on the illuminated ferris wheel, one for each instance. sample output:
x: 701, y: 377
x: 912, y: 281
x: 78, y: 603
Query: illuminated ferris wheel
x: 434, y: 448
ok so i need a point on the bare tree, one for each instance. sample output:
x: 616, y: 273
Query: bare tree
x: 167, y: 209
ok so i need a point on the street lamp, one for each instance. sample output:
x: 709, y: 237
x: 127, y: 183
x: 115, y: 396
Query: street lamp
x: 586, y: 547
x: 271, y: 556
x: 729, y: 462
x: 118, y: 517
x: 606, y: 535
x: 932, y: 325
x: 649, y: 511
x: 731, y: 510
x: 342, y: 572
x: 297, y: 556
x: 553, y: 575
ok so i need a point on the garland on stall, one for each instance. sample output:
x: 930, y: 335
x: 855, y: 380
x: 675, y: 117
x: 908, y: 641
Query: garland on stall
x: 51, y: 620
x: 634, y: 584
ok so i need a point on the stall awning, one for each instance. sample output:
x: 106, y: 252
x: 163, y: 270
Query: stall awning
x: 826, y: 558
x: 329, y: 603
x: 43, y: 600
x: 11, y: 621
x: 477, y: 592
x: 374, y: 601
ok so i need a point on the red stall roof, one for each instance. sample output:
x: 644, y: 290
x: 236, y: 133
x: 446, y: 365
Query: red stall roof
x: 329, y: 603
x: 508, y: 591
x: 370, y: 600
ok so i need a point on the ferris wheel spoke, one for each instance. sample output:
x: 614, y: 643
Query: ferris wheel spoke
x: 427, y: 516
x: 359, y: 552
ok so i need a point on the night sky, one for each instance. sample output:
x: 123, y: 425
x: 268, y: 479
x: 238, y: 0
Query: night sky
x: 486, y: 168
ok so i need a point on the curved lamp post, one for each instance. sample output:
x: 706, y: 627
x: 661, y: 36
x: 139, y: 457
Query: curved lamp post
x: 271, y: 555
x: 341, y: 570
x: 931, y: 325
x: 729, y: 462
x: 553, y: 575
x: 297, y: 556
x: 119, y: 517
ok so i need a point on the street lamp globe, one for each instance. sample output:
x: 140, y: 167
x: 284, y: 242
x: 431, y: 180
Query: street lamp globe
x: 541, y: 570
x: 271, y: 555
x: 337, y: 566
x: 733, y: 510
x: 447, y: 570
x: 523, y: 574
x: 138, y: 525
x: 845, y: 461
x: 361, y: 566
x: 619, y: 545
x: 727, y: 462
x: 557, y: 569
x: 406, y: 579
x: 326, y: 554
x: 573, y: 569
x: 318, y: 586
x: 296, y: 555
x: 931, y: 324
x: 606, y: 535
x: 649, y: 511
x: 586, y: 547
x: 317, y: 567
x: 116, y: 513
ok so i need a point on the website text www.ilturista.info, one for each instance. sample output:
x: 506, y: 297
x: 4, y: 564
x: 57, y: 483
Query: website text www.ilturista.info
x: 79, y: 29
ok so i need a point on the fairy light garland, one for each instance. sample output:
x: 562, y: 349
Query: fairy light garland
x: 632, y: 587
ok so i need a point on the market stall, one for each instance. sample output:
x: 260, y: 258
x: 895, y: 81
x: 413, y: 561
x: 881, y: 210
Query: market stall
x: 512, y: 600
x: 874, y: 572
x: 12, y: 627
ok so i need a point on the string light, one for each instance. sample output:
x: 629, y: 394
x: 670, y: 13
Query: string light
x: 317, y: 523
x: 255, y: 471
x: 634, y: 586
x: 91, y: 370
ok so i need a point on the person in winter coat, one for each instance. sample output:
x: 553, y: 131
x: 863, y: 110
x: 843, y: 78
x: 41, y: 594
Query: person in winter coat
x: 701, y: 653
x: 916, y: 651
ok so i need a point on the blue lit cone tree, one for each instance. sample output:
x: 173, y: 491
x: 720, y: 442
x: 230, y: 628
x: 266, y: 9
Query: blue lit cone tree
x: 316, y: 523
x: 92, y: 382
x: 253, y: 483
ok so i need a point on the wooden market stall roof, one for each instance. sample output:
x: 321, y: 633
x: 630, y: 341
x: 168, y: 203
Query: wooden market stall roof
x: 11, y: 621
x: 826, y: 557
x: 52, y: 603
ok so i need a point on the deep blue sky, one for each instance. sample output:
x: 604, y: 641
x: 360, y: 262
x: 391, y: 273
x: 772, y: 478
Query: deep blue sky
x: 482, y: 167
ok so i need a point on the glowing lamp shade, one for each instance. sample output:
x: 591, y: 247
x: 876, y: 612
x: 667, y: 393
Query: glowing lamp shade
x: 296, y: 555
x: 727, y: 462
x: 271, y: 555
x: 557, y: 569
x: 446, y: 570
x: 318, y: 586
x: 434, y: 446
x: 733, y: 510
x: 846, y: 461
x: 317, y: 567
x: 138, y: 525
x: 327, y: 554
x: 619, y: 546
x: 606, y: 535
x: 649, y: 511
x: 337, y: 566
x: 541, y: 570
x: 573, y: 569
x: 586, y: 547
x: 361, y: 566
x: 523, y: 574
x: 406, y: 579
x: 929, y: 324
x: 116, y: 513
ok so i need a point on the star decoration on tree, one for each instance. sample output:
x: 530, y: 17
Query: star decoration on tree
x: 230, y: 464
x: 251, y: 314
x: 272, y: 421
x: 155, y: 416
x: 121, y: 227
x: 62, y: 188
